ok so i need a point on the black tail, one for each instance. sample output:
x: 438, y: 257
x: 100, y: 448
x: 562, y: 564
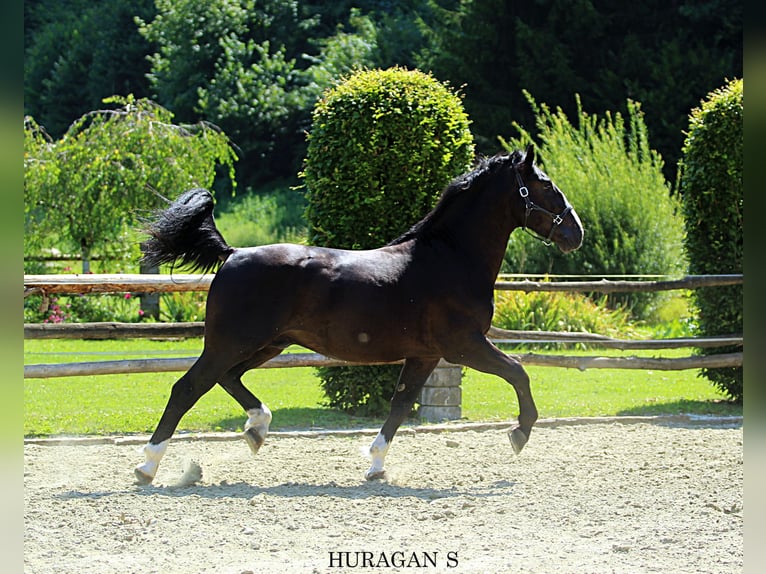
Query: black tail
x: 186, y: 232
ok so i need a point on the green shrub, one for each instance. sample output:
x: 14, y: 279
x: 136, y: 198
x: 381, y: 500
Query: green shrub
x: 710, y: 181
x: 273, y: 216
x: 552, y: 311
x: 614, y: 181
x: 383, y: 145
x: 82, y: 308
x: 675, y: 318
x: 361, y: 391
x: 183, y: 307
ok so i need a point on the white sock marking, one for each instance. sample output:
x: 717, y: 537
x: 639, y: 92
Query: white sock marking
x: 260, y: 419
x: 154, y: 454
x: 378, y: 451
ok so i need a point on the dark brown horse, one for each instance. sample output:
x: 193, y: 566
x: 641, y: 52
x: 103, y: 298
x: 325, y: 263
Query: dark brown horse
x: 425, y: 296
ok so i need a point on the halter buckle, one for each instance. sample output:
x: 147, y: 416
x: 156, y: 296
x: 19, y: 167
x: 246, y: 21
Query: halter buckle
x: 523, y: 191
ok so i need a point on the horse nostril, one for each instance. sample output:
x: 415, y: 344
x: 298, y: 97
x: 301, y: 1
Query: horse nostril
x: 571, y: 239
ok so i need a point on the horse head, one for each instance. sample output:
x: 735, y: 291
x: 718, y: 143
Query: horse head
x: 545, y: 212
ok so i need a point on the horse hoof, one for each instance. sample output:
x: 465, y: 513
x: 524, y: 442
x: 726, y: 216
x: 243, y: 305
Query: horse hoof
x: 254, y: 439
x: 518, y: 439
x: 142, y: 479
x: 375, y: 474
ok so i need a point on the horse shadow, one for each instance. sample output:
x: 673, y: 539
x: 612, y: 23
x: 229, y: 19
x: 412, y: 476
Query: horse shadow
x: 297, y: 490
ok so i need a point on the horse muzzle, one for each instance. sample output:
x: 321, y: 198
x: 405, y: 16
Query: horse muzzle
x: 569, y: 234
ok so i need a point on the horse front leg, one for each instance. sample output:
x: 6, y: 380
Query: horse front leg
x: 411, y: 380
x: 185, y: 393
x: 483, y: 356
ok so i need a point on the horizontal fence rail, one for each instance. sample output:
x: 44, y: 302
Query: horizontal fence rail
x: 114, y: 283
x: 139, y: 283
x: 197, y: 329
x: 593, y: 340
x: 316, y: 360
x: 609, y: 286
x: 114, y: 330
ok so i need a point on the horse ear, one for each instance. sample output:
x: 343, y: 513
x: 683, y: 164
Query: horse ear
x: 529, y: 156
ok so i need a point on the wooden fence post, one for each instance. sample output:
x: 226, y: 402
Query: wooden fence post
x: 150, y: 302
x: 441, y: 397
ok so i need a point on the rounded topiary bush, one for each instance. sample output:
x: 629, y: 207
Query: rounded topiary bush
x: 382, y: 146
x: 710, y: 182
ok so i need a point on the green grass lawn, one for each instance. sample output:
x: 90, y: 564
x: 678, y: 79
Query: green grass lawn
x: 124, y: 404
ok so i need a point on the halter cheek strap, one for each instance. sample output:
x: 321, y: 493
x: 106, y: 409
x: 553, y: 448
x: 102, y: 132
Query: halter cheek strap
x: 530, y: 206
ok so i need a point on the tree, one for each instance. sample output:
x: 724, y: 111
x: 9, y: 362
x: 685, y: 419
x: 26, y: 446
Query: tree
x: 78, y: 52
x: 251, y: 68
x: 471, y: 44
x: 710, y: 180
x: 663, y: 54
x: 111, y: 165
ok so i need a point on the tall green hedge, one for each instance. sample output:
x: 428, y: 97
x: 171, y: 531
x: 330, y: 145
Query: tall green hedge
x: 710, y: 182
x: 614, y: 180
x: 382, y: 146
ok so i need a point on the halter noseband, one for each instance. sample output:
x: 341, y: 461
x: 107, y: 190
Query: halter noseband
x: 531, y: 206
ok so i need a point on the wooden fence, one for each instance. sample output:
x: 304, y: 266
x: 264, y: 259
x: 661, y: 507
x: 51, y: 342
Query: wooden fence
x: 440, y: 398
x: 134, y: 283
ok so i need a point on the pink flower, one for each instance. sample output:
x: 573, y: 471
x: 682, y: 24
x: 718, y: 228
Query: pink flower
x: 128, y: 295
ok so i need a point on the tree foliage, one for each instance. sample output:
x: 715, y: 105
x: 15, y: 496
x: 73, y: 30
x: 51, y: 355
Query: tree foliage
x: 88, y: 187
x: 250, y: 66
x: 253, y: 69
x: 662, y: 54
x: 710, y: 180
x: 78, y: 52
x: 614, y: 180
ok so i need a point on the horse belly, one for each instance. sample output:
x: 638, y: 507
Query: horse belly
x: 362, y: 329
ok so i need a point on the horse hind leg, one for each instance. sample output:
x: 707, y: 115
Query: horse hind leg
x: 258, y: 414
x: 411, y: 380
x: 257, y: 427
x: 198, y: 380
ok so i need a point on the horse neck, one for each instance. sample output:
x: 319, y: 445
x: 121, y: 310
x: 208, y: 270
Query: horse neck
x: 480, y: 223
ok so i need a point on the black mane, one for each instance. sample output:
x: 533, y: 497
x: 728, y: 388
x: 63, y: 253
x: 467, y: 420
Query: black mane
x: 455, y: 189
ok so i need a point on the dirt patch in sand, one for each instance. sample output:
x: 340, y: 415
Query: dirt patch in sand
x: 610, y: 496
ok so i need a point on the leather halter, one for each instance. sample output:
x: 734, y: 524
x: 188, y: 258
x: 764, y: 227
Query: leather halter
x: 530, y: 206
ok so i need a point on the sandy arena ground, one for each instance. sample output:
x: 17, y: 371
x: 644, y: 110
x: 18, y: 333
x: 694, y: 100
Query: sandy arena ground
x: 604, y: 496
